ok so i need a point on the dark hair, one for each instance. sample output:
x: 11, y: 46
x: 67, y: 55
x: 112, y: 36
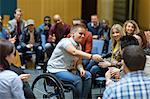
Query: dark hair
x: 128, y: 40
x: 6, y: 48
x: 134, y: 57
x: 143, y: 38
x: 47, y: 17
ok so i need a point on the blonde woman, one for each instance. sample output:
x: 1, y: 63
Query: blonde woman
x: 116, y: 33
x: 130, y: 27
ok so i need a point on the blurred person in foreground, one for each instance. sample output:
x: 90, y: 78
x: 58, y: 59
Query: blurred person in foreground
x: 11, y: 86
x: 135, y: 84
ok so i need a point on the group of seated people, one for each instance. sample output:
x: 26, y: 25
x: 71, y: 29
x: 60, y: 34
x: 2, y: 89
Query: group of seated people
x: 68, y: 50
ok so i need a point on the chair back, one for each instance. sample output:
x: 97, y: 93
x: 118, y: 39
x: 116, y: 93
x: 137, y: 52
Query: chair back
x: 97, y: 47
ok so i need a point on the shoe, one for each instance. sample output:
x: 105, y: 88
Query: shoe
x: 41, y: 64
x: 38, y: 67
x: 23, y: 67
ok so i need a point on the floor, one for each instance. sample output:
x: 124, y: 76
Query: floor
x: 95, y: 91
x: 34, y: 73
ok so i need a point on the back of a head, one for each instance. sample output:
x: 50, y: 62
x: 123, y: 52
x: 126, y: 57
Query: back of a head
x: 134, y: 58
x: 6, y: 48
x: 128, y: 40
x: 143, y: 39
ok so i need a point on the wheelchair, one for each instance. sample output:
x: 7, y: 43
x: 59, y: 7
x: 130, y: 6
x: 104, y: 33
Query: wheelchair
x: 48, y: 86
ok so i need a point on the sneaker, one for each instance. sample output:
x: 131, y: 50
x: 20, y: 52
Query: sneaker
x: 41, y: 64
x: 23, y: 67
x: 38, y: 67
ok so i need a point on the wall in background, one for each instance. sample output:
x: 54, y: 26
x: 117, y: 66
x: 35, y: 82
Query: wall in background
x: 7, y: 10
x: 68, y: 9
x: 37, y: 9
x: 143, y: 14
x: 89, y: 7
x: 105, y: 10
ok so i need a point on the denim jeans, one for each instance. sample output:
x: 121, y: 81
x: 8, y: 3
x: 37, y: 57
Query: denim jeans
x: 90, y: 65
x: 43, y: 39
x: 82, y: 84
x: 97, y: 71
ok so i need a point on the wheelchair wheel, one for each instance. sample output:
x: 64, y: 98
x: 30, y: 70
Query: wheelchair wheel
x: 47, y: 86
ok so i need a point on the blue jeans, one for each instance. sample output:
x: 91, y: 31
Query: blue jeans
x: 82, y: 84
x: 97, y: 71
x: 90, y: 65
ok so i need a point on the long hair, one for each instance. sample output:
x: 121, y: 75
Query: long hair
x: 136, y: 27
x: 118, y: 27
x: 143, y: 38
x: 6, y: 48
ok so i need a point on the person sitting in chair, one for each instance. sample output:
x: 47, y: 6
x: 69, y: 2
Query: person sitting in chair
x: 67, y: 56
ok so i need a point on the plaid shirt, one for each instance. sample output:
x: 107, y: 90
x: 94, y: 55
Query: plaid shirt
x: 134, y: 85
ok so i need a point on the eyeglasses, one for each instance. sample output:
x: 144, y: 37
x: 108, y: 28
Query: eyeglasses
x: 31, y: 25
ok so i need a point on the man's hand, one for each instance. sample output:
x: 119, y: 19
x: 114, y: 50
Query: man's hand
x: 12, y: 40
x: 147, y: 34
x: 97, y: 58
x: 53, y: 38
x: 24, y: 77
x: 95, y: 36
x: 29, y: 45
x: 104, y: 64
x: 108, y: 75
x: 115, y: 72
x: 82, y: 72
x: 46, y: 28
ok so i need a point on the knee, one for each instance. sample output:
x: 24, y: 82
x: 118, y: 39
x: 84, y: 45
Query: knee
x: 48, y: 46
x: 77, y: 80
x: 40, y: 48
x: 94, y: 69
x: 19, y: 48
x: 88, y: 75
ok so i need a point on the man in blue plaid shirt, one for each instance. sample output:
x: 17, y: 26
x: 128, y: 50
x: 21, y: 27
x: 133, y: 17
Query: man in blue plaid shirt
x: 135, y: 84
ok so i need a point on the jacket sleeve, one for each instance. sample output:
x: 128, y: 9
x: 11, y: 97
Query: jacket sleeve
x: 17, y: 88
x: 88, y: 45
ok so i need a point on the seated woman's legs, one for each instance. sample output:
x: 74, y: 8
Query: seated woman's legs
x: 97, y: 71
x: 90, y: 64
x: 83, y: 87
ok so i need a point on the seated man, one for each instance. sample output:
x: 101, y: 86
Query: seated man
x: 94, y: 26
x: 67, y: 56
x: 43, y: 29
x: 135, y: 84
x: 5, y: 35
x: 87, y: 42
x: 105, y: 34
x: 31, y: 41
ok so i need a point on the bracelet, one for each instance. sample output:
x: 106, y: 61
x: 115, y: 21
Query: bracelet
x: 91, y: 56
